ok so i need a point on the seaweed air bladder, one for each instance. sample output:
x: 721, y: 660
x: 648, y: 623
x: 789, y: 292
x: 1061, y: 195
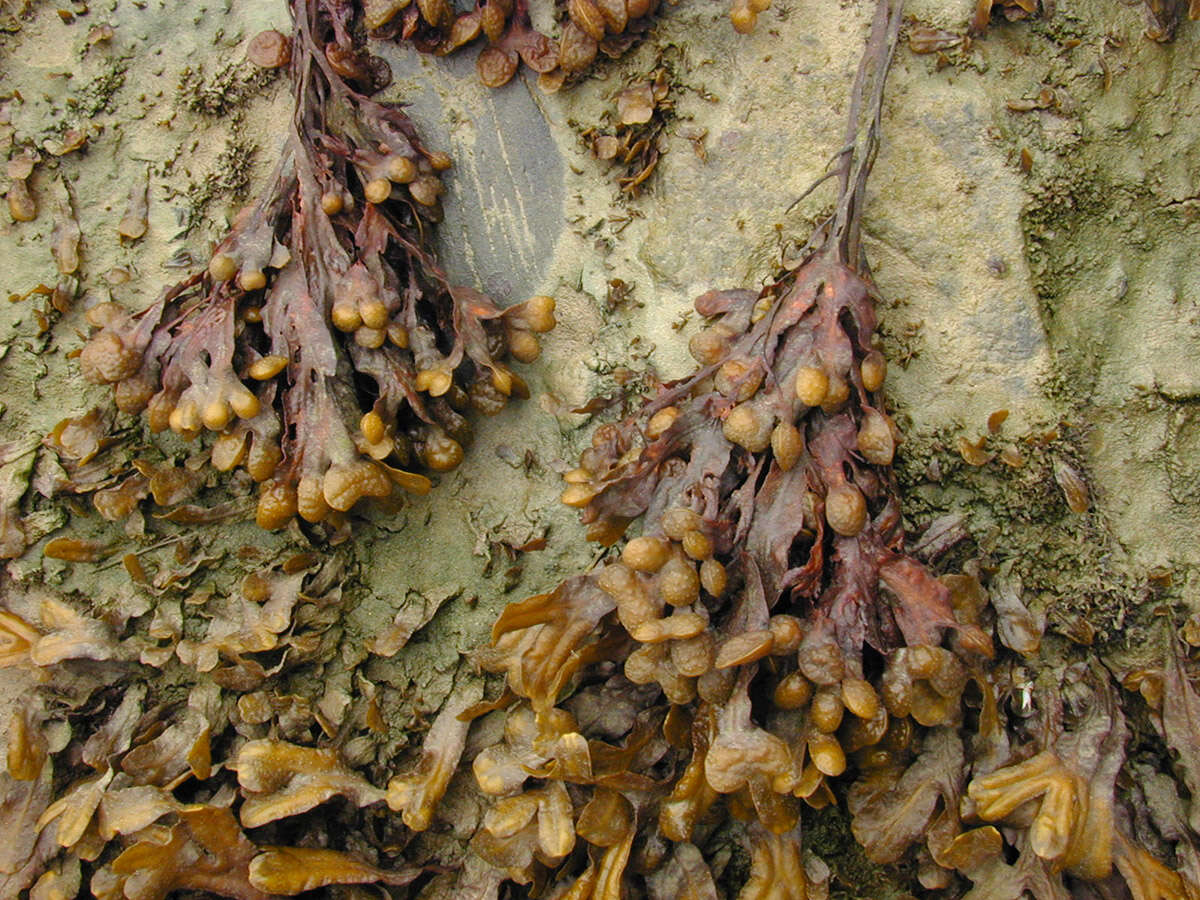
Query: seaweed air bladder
x: 324, y: 350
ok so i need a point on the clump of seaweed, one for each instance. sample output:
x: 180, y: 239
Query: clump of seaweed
x: 588, y: 29
x: 324, y: 348
x: 635, y: 141
x: 767, y: 625
x: 767, y: 642
x: 767, y: 614
x: 198, y: 772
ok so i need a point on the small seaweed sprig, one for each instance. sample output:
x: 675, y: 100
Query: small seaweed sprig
x: 324, y: 349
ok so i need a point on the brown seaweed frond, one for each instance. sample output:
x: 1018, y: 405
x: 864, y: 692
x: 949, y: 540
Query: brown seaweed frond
x: 418, y: 793
x: 542, y: 641
x: 205, y: 851
x: 1010, y: 10
x: 281, y: 779
x: 1065, y: 828
x: 60, y: 633
x: 293, y: 870
x: 776, y: 866
x: 132, y: 790
x: 1064, y: 799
